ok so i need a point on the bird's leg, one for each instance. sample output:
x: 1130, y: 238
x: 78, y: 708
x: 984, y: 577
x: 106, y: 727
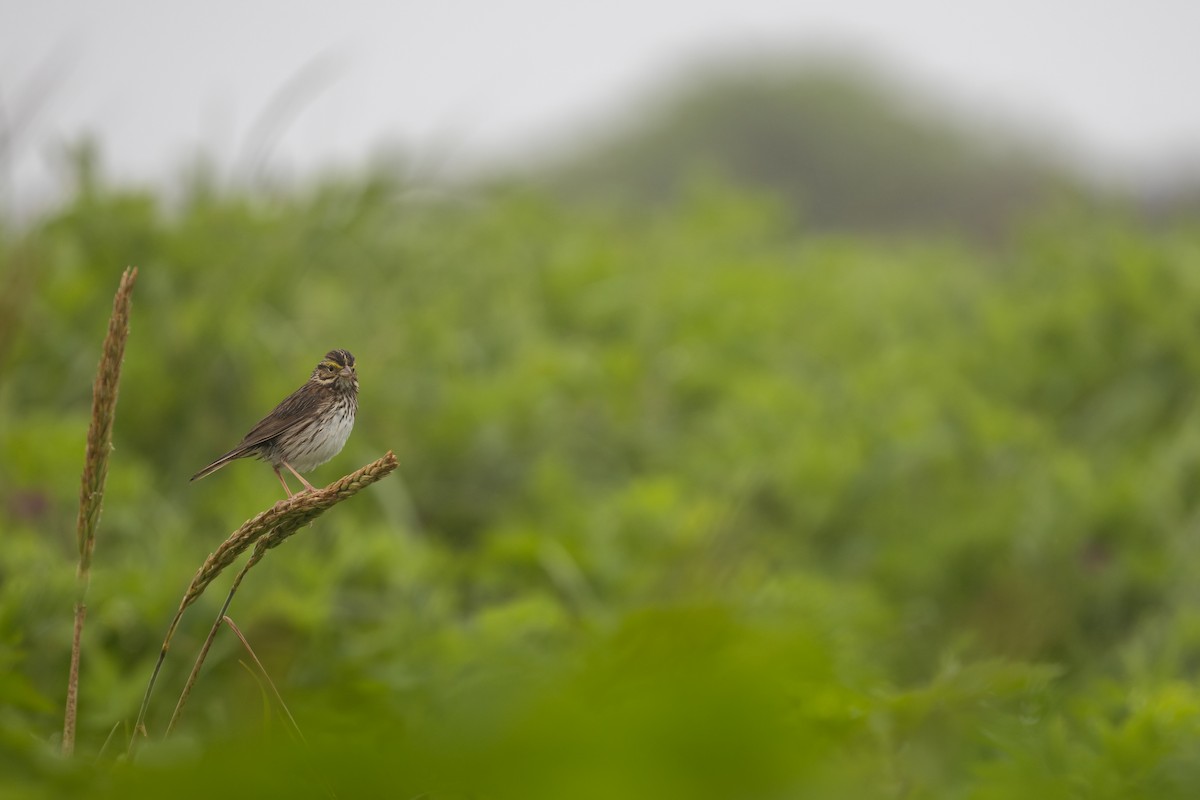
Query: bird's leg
x: 281, y: 480
x: 299, y: 477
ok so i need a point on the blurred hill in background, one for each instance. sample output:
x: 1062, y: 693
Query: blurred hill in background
x: 846, y: 149
x: 845, y: 146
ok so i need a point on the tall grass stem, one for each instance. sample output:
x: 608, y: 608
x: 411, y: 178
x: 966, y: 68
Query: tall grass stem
x: 95, y: 473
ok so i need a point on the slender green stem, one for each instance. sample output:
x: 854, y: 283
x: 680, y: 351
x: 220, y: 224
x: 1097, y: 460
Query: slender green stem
x: 212, y: 634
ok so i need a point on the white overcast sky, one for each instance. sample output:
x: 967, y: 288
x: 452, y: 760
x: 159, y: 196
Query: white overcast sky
x: 156, y: 81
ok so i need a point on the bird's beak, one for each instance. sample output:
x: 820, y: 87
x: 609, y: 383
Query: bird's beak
x: 346, y: 373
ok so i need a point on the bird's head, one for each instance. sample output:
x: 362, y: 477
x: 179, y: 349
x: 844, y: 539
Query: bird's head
x: 337, y: 368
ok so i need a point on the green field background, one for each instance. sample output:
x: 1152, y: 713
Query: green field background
x: 693, y: 500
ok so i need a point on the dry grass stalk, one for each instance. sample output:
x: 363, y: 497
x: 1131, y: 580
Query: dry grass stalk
x: 266, y: 676
x: 273, y: 525
x: 95, y: 472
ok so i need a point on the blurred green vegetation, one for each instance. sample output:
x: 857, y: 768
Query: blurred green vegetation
x: 692, y: 502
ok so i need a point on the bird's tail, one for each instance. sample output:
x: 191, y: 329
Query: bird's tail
x: 232, y: 455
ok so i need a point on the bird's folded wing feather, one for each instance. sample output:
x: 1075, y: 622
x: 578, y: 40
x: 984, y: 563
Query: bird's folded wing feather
x: 295, y: 409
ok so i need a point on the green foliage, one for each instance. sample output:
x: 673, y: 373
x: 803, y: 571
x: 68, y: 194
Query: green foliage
x: 690, y: 504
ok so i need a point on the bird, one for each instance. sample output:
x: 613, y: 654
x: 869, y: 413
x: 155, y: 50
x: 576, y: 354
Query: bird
x: 308, y: 428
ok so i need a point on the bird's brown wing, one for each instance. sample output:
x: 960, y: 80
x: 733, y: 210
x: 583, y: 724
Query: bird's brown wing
x: 294, y: 409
